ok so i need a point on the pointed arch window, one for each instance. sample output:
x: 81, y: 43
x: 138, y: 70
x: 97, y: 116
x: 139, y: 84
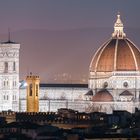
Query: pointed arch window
x: 6, y: 67
x: 4, y: 83
x: 14, y: 97
x: 14, y: 84
x: 14, y: 66
x: 4, y: 97
x: 30, y: 90
x: 37, y: 88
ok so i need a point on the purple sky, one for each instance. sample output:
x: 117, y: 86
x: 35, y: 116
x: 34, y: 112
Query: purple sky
x: 59, y: 37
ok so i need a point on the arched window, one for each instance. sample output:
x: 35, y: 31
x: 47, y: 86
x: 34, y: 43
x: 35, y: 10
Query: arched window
x: 37, y: 90
x: 14, y: 97
x: 4, y: 83
x: 30, y: 90
x: 14, y: 66
x: 6, y: 67
x: 14, y: 83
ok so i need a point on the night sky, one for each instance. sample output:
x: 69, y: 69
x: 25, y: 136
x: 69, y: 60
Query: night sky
x: 59, y: 37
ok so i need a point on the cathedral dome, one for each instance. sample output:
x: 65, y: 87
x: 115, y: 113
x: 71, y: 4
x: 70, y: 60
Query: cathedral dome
x: 117, y: 54
x: 102, y: 96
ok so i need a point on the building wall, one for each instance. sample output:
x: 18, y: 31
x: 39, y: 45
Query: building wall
x: 116, y: 84
x: 116, y: 81
x: 53, y: 98
x: 54, y: 105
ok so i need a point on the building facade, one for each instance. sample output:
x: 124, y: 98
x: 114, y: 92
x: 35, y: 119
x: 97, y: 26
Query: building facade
x: 115, y: 73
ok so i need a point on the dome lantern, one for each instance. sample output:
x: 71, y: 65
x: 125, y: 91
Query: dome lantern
x: 118, y: 28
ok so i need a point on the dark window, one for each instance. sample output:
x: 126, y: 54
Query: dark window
x: 36, y: 90
x: 30, y: 90
x: 14, y: 66
x: 6, y: 67
x: 4, y: 83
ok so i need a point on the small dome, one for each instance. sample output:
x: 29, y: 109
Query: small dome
x: 103, y: 96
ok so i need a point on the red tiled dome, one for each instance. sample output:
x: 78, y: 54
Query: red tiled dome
x: 117, y: 54
x: 102, y: 96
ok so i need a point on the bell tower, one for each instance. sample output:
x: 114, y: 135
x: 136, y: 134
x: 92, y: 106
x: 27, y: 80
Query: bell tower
x: 32, y: 93
x: 9, y: 76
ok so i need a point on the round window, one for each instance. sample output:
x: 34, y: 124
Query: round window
x: 105, y: 84
x: 125, y: 84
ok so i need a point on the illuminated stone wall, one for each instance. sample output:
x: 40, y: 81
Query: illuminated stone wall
x: 53, y: 98
x: 9, y: 76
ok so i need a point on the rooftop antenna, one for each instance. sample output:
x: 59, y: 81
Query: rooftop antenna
x: 9, y: 35
x: 30, y: 73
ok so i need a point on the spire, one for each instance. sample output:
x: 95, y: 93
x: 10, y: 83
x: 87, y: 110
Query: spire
x: 9, y: 35
x: 9, y: 38
x: 118, y: 28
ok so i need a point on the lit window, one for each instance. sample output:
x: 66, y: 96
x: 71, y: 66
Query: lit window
x: 84, y: 117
